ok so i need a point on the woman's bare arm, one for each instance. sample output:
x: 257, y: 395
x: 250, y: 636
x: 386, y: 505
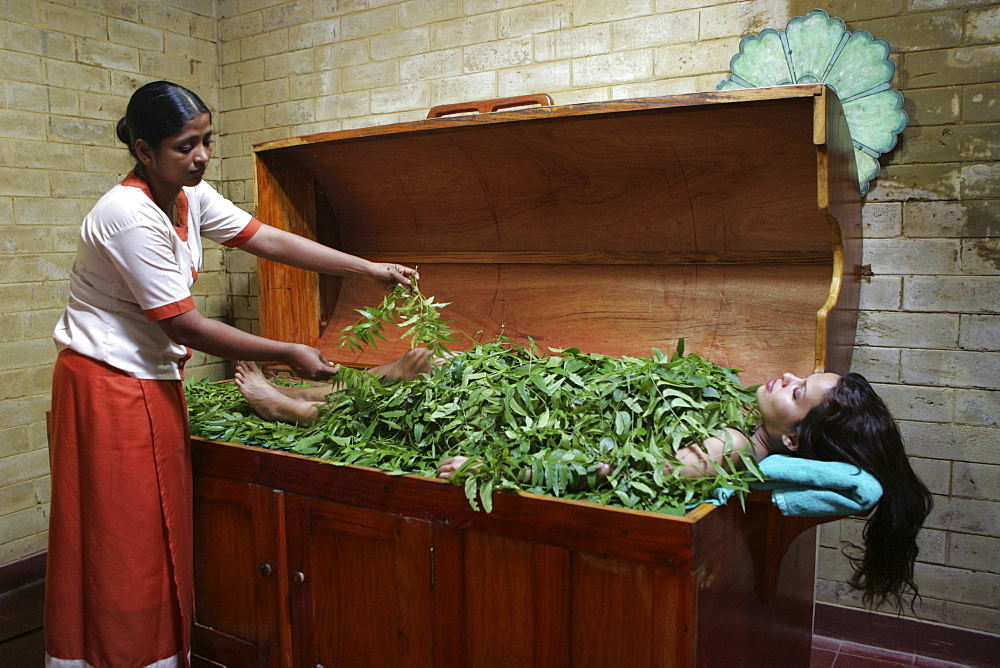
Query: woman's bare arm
x: 696, y: 460
x: 194, y: 330
x: 273, y: 244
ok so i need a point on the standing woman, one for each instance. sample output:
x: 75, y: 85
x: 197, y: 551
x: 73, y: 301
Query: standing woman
x: 119, y: 576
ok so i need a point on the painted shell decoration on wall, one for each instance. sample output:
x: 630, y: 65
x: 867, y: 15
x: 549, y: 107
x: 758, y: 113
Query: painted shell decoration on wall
x: 818, y: 49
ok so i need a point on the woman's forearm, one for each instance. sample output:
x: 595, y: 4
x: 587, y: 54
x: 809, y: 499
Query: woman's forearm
x: 216, y: 338
x: 273, y: 244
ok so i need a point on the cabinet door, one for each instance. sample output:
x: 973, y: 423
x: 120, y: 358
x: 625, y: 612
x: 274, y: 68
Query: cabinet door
x: 236, y: 572
x: 360, y: 586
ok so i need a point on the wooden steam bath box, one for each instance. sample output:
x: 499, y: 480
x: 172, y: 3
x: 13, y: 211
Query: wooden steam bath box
x: 729, y: 219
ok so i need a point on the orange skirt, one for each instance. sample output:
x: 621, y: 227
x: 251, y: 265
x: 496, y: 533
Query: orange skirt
x: 118, y: 586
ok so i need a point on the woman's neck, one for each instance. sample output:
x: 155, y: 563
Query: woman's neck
x: 762, y: 444
x: 164, y: 195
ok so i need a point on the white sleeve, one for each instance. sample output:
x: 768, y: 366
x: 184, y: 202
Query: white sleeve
x: 145, y: 258
x: 219, y: 219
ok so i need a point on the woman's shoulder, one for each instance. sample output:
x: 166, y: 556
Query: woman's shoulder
x: 208, y: 209
x: 203, y: 190
x: 121, y: 207
x: 735, y: 436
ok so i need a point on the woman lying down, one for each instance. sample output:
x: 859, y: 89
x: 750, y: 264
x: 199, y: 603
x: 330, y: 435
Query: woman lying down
x: 823, y: 416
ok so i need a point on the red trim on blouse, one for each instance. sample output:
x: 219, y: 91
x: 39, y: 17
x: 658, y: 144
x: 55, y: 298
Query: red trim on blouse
x: 181, y: 228
x: 181, y: 203
x: 134, y: 181
x: 245, y: 234
x: 170, y: 310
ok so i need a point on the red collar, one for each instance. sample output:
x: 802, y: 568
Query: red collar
x: 134, y: 181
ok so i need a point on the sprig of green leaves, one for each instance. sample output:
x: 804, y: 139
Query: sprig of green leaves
x: 408, y: 308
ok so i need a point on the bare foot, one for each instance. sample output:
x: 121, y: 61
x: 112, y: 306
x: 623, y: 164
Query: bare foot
x: 413, y: 363
x: 269, y: 403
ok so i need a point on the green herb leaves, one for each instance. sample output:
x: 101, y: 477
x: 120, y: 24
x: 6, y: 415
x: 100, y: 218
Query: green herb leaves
x: 420, y: 314
x: 544, y: 424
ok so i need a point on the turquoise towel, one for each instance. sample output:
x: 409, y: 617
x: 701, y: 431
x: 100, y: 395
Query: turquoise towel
x: 808, y: 488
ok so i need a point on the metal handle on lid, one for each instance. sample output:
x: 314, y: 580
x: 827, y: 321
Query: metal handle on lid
x: 486, y: 106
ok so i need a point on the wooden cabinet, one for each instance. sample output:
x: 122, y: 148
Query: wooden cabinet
x: 238, y: 572
x: 361, y: 586
x: 368, y: 569
x: 731, y: 219
x: 345, y: 587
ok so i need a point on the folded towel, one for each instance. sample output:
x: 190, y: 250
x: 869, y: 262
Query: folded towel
x: 808, y: 488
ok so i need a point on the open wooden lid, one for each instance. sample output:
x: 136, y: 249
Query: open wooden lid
x: 731, y: 219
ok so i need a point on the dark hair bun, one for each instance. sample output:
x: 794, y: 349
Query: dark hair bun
x: 122, y: 131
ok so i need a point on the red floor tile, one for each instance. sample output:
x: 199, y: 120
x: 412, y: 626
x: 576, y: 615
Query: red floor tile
x: 926, y: 662
x: 868, y: 652
x: 27, y: 651
x: 854, y: 661
x: 831, y: 644
x: 822, y: 658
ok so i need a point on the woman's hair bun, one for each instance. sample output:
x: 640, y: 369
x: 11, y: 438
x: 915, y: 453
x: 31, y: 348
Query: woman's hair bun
x: 122, y: 131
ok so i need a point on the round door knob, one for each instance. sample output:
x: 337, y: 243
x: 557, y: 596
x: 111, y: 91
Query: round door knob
x: 298, y: 577
x: 265, y: 569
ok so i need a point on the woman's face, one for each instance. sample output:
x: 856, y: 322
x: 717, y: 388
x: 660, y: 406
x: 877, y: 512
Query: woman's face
x: 786, y: 400
x: 181, y: 159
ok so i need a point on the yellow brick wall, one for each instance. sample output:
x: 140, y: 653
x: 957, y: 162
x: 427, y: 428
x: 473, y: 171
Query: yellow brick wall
x: 275, y: 69
x: 66, y: 72
x: 929, y: 332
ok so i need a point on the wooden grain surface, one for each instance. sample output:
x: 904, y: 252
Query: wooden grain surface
x: 399, y: 569
x: 613, y: 228
x: 620, y: 310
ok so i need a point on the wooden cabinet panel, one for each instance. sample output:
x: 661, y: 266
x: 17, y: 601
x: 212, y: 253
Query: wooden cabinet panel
x: 237, y: 557
x: 360, y: 586
x: 501, y: 605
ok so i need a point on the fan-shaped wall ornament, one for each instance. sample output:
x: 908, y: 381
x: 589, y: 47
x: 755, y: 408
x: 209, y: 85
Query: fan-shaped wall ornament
x: 818, y: 49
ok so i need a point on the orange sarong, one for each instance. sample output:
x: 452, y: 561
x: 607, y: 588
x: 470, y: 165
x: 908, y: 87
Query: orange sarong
x: 118, y: 583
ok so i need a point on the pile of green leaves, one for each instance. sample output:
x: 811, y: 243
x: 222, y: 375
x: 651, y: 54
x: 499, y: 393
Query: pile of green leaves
x: 540, y: 423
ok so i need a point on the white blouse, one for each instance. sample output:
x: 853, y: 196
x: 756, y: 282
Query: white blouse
x: 134, y: 267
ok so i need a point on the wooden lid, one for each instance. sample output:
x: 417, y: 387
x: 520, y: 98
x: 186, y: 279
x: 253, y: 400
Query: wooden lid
x: 724, y: 218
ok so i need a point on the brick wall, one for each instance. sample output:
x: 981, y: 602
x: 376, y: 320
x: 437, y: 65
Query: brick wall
x: 928, y: 335
x: 66, y: 71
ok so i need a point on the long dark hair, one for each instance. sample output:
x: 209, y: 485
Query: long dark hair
x: 852, y: 424
x: 156, y: 111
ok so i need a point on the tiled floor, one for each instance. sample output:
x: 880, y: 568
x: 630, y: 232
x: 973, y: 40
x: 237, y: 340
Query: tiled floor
x: 833, y: 653
x: 21, y: 640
